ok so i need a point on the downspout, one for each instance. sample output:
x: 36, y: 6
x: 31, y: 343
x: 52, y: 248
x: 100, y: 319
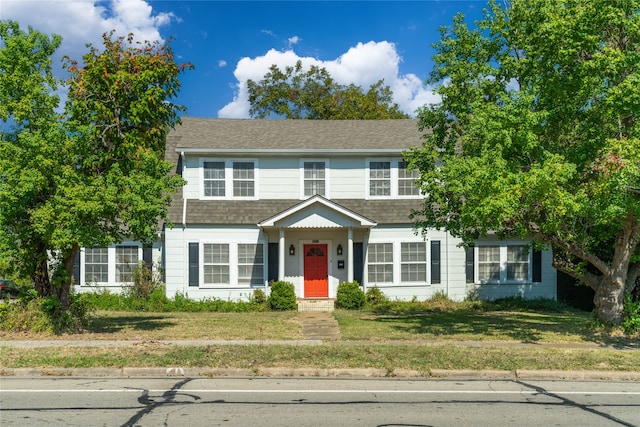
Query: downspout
x: 446, y: 251
x: 184, y: 198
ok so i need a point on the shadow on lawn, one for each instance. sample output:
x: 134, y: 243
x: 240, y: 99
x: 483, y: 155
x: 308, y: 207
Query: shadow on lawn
x: 112, y: 325
x: 467, y: 324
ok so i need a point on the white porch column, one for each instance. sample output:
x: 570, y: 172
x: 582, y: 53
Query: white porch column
x: 281, y: 253
x: 350, y: 256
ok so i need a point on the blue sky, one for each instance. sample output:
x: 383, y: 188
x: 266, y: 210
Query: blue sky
x: 229, y: 42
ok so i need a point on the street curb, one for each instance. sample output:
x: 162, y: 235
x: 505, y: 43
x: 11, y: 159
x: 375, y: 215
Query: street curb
x: 432, y: 374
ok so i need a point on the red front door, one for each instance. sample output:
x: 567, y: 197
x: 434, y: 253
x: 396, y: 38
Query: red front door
x: 316, y: 273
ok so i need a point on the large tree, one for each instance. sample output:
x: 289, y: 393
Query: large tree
x: 94, y: 175
x: 296, y: 93
x: 537, y: 135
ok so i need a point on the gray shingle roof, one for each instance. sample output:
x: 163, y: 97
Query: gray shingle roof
x: 296, y: 134
x: 239, y: 212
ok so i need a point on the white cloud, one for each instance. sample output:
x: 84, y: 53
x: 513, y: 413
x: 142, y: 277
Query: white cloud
x: 84, y: 21
x: 222, y: 63
x: 363, y: 65
x: 293, y: 40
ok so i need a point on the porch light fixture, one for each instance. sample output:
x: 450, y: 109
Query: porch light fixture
x: 292, y: 250
x: 339, y: 249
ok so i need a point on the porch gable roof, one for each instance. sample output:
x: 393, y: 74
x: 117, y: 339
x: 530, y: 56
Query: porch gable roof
x: 317, y: 212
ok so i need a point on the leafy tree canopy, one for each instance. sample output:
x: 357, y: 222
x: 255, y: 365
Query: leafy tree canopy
x: 94, y: 175
x: 538, y: 135
x: 313, y: 94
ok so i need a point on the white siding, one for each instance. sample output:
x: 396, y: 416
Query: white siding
x: 348, y: 178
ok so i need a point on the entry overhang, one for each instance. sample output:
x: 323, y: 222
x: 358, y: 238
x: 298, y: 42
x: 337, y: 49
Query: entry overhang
x: 317, y: 212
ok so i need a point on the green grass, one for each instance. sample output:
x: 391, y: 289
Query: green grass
x: 418, y: 336
x: 333, y: 356
x: 469, y: 325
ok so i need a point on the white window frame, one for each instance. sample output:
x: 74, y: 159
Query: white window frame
x: 503, y: 247
x: 394, y: 163
x: 241, y: 279
x: 85, y: 263
x: 303, y: 179
x: 228, y: 264
x: 425, y: 262
x: 411, y: 179
x: 111, y: 256
x: 234, y: 273
x: 370, y: 263
x: 229, y: 179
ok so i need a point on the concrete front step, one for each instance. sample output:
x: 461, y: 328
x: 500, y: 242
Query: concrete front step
x: 319, y: 326
x: 315, y: 305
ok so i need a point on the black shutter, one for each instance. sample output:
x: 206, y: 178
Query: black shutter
x: 537, y: 267
x: 358, y: 264
x: 76, y: 269
x: 272, y: 259
x: 194, y: 264
x: 469, y: 266
x: 147, y: 257
x: 435, y: 261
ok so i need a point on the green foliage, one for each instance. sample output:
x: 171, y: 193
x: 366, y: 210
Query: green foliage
x: 631, y: 322
x: 92, y: 176
x: 283, y: 296
x: 157, y: 301
x: 313, y: 94
x: 259, y: 297
x: 374, y: 296
x: 44, y: 315
x: 350, y: 296
x: 537, y: 135
x: 145, y: 282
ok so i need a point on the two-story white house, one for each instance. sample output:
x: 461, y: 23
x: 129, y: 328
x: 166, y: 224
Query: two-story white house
x: 317, y: 203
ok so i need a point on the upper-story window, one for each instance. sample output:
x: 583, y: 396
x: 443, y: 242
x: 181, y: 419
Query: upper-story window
x: 380, y: 178
x: 389, y: 178
x: 314, y: 178
x: 407, y: 181
x: 243, y: 179
x: 214, y: 183
x: 229, y: 179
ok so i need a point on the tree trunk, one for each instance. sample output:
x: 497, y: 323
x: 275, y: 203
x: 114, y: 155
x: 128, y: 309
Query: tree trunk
x: 65, y: 278
x: 609, y: 300
x: 40, y: 274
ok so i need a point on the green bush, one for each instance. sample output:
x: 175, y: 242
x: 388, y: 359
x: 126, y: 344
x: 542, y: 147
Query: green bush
x: 283, y: 296
x: 43, y: 315
x: 145, y: 282
x: 350, y: 296
x: 375, y: 296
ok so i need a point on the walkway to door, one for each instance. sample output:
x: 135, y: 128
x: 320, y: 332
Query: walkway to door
x: 319, y: 326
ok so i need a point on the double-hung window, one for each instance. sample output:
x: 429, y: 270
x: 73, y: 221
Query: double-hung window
x: 380, y: 263
x: 413, y: 262
x: 379, y: 179
x: 517, y: 263
x: 126, y: 261
x: 390, y: 178
x: 250, y: 263
x: 407, y: 181
x: 229, y: 179
x: 489, y: 263
x: 216, y: 263
x: 214, y: 182
x: 96, y: 265
x: 243, y: 179
x: 503, y: 263
x: 314, y: 178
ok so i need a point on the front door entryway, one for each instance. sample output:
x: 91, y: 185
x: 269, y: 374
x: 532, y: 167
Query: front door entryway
x: 316, y: 271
